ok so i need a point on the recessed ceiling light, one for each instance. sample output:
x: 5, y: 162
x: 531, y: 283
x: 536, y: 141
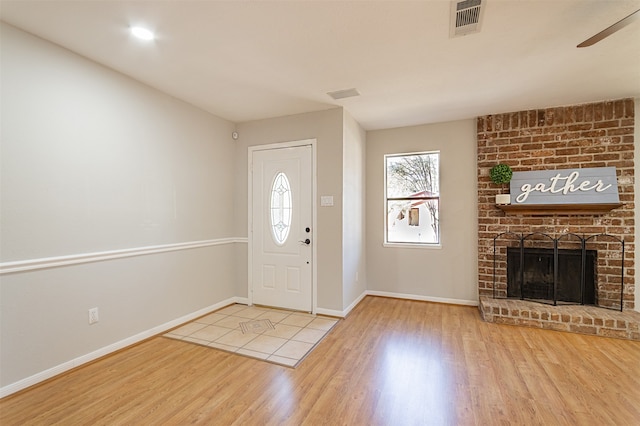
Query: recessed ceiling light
x: 142, y: 33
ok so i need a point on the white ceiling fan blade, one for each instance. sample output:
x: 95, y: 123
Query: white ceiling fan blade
x: 612, y: 29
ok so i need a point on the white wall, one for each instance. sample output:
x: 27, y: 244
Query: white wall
x: 354, y: 214
x: 92, y: 161
x: 326, y: 127
x: 447, y: 274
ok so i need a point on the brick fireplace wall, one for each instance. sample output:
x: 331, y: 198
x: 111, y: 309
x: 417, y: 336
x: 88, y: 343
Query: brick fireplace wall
x: 590, y: 135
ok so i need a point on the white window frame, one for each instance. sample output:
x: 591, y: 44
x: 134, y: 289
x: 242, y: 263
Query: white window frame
x: 418, y: 245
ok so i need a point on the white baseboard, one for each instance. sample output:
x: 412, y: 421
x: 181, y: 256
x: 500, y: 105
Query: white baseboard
x: 345, y: 312
x: 66, y: 366
x: 355, y: 303
x: 241, y: 300
x: 423, y: 298
x: 330, y: 312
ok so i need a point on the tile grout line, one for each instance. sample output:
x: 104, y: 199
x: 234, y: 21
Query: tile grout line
x: 244, y: 347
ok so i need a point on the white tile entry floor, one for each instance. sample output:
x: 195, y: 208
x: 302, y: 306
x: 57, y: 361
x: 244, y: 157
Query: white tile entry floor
x: 286, y: 338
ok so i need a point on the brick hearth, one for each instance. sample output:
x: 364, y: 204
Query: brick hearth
x: 577, y: 319
x: 579, y: 136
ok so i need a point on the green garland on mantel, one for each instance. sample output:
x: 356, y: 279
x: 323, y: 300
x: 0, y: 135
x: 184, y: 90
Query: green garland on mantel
x: 500, y: 173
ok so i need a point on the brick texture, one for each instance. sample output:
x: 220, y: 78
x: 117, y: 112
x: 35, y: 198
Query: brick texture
x: 578, y: 136
x: 574, y: 319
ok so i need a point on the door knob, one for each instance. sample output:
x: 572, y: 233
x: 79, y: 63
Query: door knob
x: 307, y: 241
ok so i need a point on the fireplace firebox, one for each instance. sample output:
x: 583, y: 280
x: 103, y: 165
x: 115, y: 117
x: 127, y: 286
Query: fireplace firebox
x: 569, y: 269
x: 531, y: 275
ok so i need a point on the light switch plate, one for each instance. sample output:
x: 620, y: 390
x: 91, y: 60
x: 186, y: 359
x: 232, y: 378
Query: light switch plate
x: 326, y: 200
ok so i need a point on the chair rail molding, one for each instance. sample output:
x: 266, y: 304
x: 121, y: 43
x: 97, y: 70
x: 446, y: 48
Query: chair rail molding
x: 76, y: 259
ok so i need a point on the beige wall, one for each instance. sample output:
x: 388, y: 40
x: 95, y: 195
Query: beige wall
x: 326, y: 127
x: 445, y: 274
x: 354, y: 214
x: 95, y: 162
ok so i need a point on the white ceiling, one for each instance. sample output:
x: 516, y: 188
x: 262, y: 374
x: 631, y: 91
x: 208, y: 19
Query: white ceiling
x: 244, y: 60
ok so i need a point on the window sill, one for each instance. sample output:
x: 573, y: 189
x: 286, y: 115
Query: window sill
x: 413, y: 246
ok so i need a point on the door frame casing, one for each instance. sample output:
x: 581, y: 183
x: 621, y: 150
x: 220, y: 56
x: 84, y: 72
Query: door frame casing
x: 314, y: 234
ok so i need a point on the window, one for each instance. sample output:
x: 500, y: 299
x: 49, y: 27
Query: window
x: 280, y: 208
x: 412, y: 198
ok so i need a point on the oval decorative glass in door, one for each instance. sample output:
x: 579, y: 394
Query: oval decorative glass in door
x: 280, y: 205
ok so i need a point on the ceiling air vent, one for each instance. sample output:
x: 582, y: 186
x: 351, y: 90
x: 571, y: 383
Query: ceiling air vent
x: 346, y: 93
x: 466, y: 17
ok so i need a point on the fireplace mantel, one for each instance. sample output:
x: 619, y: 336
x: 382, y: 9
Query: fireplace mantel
x: 550, y: 209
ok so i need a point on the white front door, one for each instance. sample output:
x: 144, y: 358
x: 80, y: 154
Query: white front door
x: 281, y: 233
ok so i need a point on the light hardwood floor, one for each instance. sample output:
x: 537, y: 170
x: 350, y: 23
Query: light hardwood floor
x: 391, y: 362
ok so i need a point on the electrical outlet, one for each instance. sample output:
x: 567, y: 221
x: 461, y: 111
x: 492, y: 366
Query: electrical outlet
x: 93, y: 316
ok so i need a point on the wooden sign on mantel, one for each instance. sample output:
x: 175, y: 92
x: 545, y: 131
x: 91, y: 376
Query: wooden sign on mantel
x: 567, y: 186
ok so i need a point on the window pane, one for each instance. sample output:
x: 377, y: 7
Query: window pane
x: 280, y: 206
x: 415, y: 217
x: 413, y: 175
x: 402, y: 226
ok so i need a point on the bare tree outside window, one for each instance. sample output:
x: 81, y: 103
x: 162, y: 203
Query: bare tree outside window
x: 412, y: 182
